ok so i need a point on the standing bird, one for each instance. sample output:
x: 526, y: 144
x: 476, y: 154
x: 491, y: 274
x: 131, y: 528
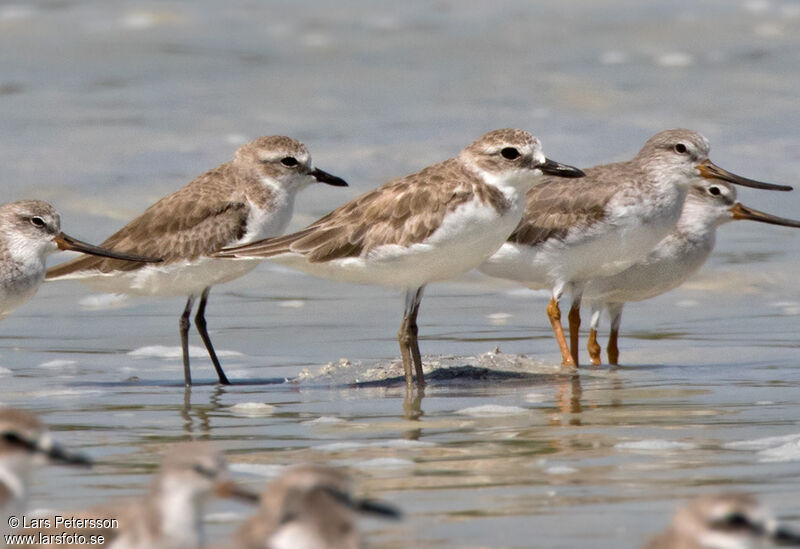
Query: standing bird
x: 603, y: 224
x: 431, y: 225
x: 724, y: 521
x: 248, y: 198
x: 30, y: 230
x: 24, y: 444
x: 708, y: 205
x: 171, y: 514
x: 308, y: 507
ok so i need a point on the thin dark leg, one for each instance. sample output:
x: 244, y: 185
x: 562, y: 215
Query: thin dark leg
x: 183, y: 325
x: 200, y: 323
x: 575, y: 327
x: 407, y: 337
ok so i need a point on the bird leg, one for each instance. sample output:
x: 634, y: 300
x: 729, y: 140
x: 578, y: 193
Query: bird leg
x: 616, y: 319
x: 200, y: 323
x: 574, y: 317
x: 555, y: 321
x: 613, y: 349
x: 594, y: 348
x: 407, y: 337
x: 183, y: 325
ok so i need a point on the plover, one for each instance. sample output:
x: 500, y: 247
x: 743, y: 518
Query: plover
x: 308, y: 507
x: 724, y: 521
x: 30, y: 230
x: 680, y: 254
x: 24, y: 444
x: 171, y: 514
x: 604, y: 223
x: 249, y: 198
x: 428, y: 226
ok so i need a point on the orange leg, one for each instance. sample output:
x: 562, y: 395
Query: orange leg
x: 555, y: 321
x: 574, y: 317
x: 594, y: 348
x: 613, y: 350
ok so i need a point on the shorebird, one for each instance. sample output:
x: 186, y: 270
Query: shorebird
x: 428, y: 226
x: 723, y: 521
x: 604, y: 223
x: 680, y: 254
x: 30, y: 230
x: 249, y: 198
x: 170, y: 515
x: 24, y: 444
x: 308, y: 507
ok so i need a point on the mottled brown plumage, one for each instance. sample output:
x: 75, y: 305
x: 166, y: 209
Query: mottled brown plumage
x: 250, y: 197
x: 431, y: 225
x: 402, y: 212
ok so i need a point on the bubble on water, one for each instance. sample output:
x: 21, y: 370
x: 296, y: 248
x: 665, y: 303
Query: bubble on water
x: 655, y: 445
x: 252, y: 409
x: 491, y: 410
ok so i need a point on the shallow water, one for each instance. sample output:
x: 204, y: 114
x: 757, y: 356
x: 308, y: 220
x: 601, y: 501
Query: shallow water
x: 105, y: 106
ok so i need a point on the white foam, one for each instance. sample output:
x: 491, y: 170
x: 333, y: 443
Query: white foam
x: 162, y: 351
x: 492, y: 410
x: 385, y: 463
x: 99, y: 302
x: 292, y: 304
x: 675, y: 59
x: 765, y: 443
x: 536, y: 397
x: 252, y: 409
x: 560, y: 470
x: 326, y: 420
x: 499, y: 319
x: 58, y: 364
x: 653, y: 445
x: 4, y: 371
x: 266, y: 470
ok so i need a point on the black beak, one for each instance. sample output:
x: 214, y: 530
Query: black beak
x: 52, y: 451
x: 551, y: 167
x: 325, y: 177
x: 66, y: 242
x: 229, y: 489
x: 709, y: 170
x: 785, y: 538
x: 740, y: 211
x: 366, y: 506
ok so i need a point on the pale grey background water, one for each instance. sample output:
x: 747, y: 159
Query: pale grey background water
x: 107, y: 105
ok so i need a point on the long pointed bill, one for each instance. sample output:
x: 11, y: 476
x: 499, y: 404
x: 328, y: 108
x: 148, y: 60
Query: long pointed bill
x: 551, y: 167
x: 709, y: 170
x: 46, y: 447
x: 366, y: 506
x: 66, y: 242
x: 58, y: 454
x: 740, y: 211
x: 231, y: 490
x: 329, y: 179
x: 785, y: 538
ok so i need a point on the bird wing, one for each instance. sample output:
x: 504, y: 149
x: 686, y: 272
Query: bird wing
x: 402, y: 212
x: 555, y: 206
x: 197, y: 220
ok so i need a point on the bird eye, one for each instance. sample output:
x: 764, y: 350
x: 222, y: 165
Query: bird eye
x: 289, y: 161
x: 38, y: 222
x: 715, y: 191
x: 680, y: 148
x: 510, y: 152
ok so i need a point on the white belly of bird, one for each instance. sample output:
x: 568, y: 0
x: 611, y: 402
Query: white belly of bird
x: 16, y: 290
x: 582, y: 254
x: 466, y: 237
x: 180, y: 278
